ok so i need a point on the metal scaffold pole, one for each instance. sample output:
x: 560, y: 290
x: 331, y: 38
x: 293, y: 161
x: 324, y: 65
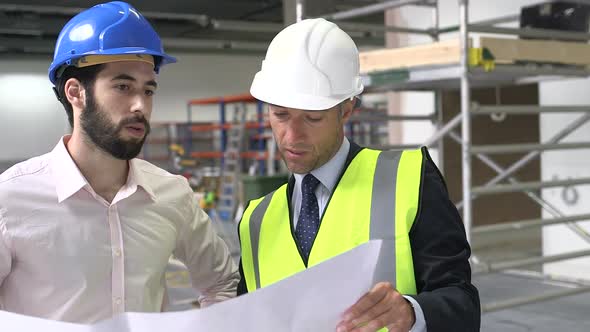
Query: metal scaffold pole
x: 299, y: 10
x: 466, y: 118
x: 376, y: 8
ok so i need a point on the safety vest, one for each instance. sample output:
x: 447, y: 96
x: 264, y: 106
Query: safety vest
x: 376, y: 198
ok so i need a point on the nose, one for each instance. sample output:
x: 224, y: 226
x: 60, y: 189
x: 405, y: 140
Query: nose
x: 141, y: 104
x: 295, y: 131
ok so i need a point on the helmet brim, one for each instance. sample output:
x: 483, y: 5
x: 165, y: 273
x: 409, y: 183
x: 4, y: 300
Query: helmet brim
x: 297, y: 100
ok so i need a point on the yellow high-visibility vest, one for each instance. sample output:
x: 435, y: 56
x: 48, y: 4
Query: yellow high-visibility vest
x: 376, y: 198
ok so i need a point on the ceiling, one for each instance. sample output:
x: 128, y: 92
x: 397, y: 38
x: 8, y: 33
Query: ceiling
x: 223, y: 26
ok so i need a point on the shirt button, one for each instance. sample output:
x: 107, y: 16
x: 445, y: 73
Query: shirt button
x: 118, y: 252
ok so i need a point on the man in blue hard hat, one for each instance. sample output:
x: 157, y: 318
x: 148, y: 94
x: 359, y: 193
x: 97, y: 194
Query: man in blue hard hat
x: 87, y: 229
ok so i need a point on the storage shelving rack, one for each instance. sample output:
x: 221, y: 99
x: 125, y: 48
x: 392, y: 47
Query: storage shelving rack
x: 257, y: 152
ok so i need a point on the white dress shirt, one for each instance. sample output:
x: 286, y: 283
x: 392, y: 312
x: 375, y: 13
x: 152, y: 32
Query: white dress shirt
x: 328, y: 174
x: 67, y: 254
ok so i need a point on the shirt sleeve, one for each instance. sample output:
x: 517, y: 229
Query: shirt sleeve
x: 213, y: 272
x: 5, y: 252
x: 420, y: 323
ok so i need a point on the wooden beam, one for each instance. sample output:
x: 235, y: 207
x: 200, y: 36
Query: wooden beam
x: 444, y: 52
x: 504, y: 51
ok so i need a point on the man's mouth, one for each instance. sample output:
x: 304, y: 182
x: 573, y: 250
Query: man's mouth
x: 136, y: 129
x: 295, y: 152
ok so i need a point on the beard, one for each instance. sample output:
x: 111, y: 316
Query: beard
x: 106, y: 135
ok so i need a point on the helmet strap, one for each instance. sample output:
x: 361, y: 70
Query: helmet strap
x: 56, y: 94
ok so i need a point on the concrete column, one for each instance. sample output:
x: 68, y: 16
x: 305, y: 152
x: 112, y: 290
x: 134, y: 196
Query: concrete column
x: 394, y: 99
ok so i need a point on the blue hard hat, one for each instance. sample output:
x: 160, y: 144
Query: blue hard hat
x: 107, y: 29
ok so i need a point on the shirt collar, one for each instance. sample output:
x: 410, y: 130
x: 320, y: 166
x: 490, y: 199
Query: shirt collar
x: 68, y: 178
x: 136, y: 178
x: 329, y: 172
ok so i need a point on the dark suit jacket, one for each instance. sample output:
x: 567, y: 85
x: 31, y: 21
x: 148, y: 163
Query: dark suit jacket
x: 440, y: 254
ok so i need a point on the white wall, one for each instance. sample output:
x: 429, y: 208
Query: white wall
x: 202, y: 76
x: 568, y: 164
x: 32, y: 120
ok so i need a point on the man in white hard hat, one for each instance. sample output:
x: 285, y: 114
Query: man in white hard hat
x: 86, y: 231
x: 342, y: 195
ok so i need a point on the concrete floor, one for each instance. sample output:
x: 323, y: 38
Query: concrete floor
x: 562, y: 314
x: 568, y: 313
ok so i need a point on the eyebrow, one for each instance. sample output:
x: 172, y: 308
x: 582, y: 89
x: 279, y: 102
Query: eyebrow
x: 131, y: 78
x: 277, y: 106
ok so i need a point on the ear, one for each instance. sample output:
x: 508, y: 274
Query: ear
x: 75, y: 93
x: 347, y: 108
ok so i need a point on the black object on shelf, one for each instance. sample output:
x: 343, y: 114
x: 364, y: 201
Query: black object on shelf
x: 556, y: 15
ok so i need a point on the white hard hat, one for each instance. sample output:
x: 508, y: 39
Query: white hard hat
x: 309, y: 65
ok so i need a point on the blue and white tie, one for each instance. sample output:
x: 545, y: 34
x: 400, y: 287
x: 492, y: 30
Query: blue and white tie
x: 309, y: 216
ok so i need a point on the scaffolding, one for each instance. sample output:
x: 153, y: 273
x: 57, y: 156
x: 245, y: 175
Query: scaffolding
x: 464, y: 76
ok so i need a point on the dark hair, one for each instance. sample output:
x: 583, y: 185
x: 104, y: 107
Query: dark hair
x: 86, y: 76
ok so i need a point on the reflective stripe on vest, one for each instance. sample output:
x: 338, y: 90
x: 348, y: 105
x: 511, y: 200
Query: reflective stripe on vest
x: 382, y: 209
x: 386, y: 183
